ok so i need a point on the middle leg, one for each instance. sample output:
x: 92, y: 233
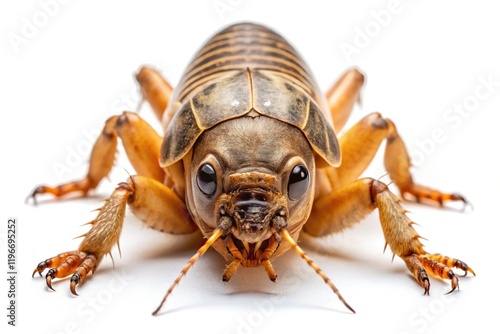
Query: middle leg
x: 140, y: 140
x: 142, y: 146
x: 360, y: 144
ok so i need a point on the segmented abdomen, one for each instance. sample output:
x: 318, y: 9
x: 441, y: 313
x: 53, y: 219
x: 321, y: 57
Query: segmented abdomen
x: 244, y: 46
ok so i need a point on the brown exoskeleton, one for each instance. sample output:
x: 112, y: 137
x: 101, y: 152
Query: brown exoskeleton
x: 250, y: 158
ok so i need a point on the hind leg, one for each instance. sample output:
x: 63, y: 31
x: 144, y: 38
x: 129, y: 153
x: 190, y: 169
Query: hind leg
x: 342, y: 95
x: 155, y: 89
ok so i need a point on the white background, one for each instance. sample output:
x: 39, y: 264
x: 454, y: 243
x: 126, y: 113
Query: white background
x: 64, y: 79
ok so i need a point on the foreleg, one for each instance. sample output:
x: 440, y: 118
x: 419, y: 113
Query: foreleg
x: 152, y: 202
x: 348, y: 205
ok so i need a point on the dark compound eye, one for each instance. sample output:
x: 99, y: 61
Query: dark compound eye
x: 298, y: 182
x: 207, y: 179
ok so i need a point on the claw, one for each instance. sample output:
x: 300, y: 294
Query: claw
x: 76, y: 263
x: 463, y: 266
x: 40, y: 268
x: 32, y: 195
x: 454, y: 284
x: 450, y: 262
x: 423, y: 280
x: 459, y: 197
x: 48, y: 278
x: 421, y: 194
x: 427, y: 285
x: 75, y: 279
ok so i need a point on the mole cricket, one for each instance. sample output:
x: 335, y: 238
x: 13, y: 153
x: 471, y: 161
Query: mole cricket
x: 250, y: 157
